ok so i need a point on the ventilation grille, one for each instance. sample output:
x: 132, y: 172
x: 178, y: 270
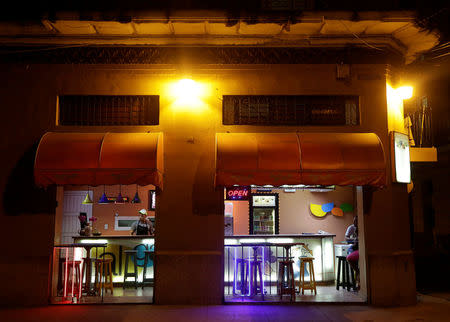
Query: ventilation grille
x: 290, y: 110
x: 100, y: 110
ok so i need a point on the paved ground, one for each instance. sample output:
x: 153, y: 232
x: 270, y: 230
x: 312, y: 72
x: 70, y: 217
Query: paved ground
x: 429, y: 308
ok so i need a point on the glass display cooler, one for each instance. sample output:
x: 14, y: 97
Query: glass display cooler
x: 264, y: 216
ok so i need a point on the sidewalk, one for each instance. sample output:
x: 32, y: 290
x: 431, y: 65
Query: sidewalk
x: 429, y: 308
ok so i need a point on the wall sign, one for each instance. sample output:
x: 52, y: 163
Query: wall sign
x: 401, y: 168
x: 238, y: 193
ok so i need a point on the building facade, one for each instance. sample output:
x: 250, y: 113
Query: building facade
x: 320, y: 56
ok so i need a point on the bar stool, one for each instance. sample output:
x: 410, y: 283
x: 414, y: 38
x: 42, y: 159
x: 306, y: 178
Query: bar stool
x: 346, y: 271
x: 103, y: 269
x: 73, y: 282
x: 239, y: 271
x: 311, y: 285
x: 286, y: 267
x: 130, y: 254
x: 148, y: 255
x: 254, y: 268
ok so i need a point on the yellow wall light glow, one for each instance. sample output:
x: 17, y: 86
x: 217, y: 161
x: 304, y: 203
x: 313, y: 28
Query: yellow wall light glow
x: 405, y: 92
x: 187, y: 94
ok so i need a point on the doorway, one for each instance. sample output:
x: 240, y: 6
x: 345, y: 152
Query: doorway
x: 314, y: 219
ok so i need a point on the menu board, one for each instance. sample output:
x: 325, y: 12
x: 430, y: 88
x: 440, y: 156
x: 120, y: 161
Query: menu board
x: 264, y: 201
x: 401, y: 168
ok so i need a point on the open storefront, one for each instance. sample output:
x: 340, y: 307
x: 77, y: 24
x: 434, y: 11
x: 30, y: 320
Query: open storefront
x: 289, y: 199
x: 106, y: 183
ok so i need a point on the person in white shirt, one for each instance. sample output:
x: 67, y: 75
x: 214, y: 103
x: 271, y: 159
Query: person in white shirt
x: 143, y: 226
x: 352, y: 231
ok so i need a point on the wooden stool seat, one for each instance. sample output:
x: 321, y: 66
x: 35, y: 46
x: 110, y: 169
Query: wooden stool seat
x: 286, y: 268
x: 103, y: 270
x: 311, y: 285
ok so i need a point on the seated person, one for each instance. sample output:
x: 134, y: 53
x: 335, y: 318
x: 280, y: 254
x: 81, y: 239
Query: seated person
x: 351, y: 236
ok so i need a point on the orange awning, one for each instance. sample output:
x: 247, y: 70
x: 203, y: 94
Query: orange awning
x: 99, y: 158
x: 299, y: 158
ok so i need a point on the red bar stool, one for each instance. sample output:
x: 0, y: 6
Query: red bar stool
x: 72, y: 278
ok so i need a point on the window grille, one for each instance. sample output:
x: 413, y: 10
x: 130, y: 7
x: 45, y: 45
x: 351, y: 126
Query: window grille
x: 290, y: 110
x: 100, y: 110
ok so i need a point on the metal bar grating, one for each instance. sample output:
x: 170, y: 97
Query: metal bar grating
x: 100, y: 110
x: 290, y: 110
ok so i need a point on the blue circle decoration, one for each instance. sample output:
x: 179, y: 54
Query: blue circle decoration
x: 327, y: 207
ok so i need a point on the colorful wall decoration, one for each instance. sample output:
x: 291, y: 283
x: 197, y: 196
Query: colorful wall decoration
x: 323, y: 210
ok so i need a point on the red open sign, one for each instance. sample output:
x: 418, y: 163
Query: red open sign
x: 238, y: 193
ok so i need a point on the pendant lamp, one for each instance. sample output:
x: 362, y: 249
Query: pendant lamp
x: 136, y: 198
x: 87, y: 200
x: 103, y: 199
x: 119, y: 198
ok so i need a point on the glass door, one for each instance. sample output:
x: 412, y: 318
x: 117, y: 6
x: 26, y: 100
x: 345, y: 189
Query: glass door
x: 264, y: 214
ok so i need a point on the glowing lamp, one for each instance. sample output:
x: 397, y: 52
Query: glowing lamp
x: 405, y: 92
x: 187, y: 88
x: 87, y: 200
x: 103, y: 200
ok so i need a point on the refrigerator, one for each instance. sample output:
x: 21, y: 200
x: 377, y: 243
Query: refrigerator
x: 264, y: 217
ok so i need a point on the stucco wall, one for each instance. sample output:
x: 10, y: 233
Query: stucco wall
x: 105, y: 214
x: 190, y: 209
x: 295, y: 214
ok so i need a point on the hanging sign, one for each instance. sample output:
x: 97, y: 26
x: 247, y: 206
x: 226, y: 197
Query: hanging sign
x: 238, y: 193
x: 401, y: 168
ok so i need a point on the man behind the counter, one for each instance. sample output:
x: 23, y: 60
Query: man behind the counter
x: 143, y: 226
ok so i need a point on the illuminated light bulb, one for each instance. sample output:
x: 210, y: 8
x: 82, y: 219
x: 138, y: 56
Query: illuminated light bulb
x: 187, y: 92
x: 187, y: 88
x: 405, y: 92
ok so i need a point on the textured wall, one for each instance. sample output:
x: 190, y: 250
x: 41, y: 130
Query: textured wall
x: 189, y: 211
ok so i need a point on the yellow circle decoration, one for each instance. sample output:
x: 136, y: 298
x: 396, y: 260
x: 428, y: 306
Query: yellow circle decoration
x: 316, y: 210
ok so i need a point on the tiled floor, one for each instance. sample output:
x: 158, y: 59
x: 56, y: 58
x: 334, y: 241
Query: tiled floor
x: 120, y: 295
x: 129, y: 295
x: 325, y: 294
x: 427, y: 309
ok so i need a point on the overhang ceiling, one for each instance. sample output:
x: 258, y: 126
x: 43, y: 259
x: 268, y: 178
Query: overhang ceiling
x: 376, y: 30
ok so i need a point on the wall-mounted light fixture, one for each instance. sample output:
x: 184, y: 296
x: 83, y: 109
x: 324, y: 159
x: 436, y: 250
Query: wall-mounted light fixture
x: 405, y: 92
x: 187, y: 95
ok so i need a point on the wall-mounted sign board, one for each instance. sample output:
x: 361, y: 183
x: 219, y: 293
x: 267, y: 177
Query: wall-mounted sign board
x: 238, y: 193
x: 400, y: 162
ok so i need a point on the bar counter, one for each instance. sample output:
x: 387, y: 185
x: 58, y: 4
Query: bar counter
x: 321, y: 246
x: 115, y: 247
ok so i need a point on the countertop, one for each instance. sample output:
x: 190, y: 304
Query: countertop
x: 303, y: 235
x: 115, y: 237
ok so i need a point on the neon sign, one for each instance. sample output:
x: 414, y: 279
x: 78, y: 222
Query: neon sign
x: 238, y: 193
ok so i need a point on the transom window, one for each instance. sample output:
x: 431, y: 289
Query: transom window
x: 99, y: 110
x: 290, y: 110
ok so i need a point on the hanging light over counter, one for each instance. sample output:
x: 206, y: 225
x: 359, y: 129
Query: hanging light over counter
x: 103, y: 199
x: 119, y: 199
x: 87, y: 200
x: 136, y: 198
